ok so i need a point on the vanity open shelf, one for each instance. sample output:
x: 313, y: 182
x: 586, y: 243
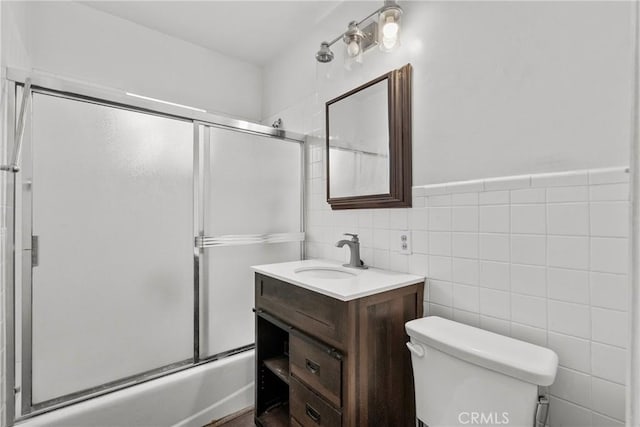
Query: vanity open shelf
x: 332, y: 360
x: 279, y: 366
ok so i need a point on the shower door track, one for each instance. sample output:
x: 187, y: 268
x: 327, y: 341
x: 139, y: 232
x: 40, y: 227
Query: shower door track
x: 83, y: 93
x: 119, y: 98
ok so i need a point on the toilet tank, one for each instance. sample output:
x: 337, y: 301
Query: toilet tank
x: 468, y: 376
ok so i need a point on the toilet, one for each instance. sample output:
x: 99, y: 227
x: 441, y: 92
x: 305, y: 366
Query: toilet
x: 466, y: 376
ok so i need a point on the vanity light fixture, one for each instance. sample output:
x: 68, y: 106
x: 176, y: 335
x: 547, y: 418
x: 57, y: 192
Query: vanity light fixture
x: 385, y: 32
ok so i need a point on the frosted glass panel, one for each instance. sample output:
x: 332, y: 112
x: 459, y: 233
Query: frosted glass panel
x: 228, y: 297
x: 112, y: 206
x: 252, y: 186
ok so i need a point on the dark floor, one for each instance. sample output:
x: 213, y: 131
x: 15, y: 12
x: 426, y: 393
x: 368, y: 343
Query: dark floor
x: 239, y: 419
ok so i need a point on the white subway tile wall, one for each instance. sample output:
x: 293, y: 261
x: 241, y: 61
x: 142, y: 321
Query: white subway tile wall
x: 541, y: 258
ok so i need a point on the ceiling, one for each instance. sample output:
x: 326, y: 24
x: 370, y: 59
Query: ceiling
x: 252, y: 31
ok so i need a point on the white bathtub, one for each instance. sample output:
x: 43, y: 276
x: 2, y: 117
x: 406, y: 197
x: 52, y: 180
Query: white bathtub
x: 191, y: 398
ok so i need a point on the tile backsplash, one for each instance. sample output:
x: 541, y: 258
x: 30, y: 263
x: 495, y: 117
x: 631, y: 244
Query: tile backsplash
x: 542, y: 258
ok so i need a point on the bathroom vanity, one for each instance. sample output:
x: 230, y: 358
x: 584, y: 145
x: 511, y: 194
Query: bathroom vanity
x: 330, y: 345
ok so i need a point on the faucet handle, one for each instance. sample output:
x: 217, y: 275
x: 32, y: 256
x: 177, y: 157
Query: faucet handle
x: 354, y: 237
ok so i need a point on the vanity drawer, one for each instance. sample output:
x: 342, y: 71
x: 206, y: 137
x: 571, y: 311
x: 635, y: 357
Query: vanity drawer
x: 313, y: 364
x: 318, y: 315
x: 309, y: 409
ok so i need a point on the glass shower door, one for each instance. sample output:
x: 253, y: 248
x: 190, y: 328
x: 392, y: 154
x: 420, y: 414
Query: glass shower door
x: 252, y: 215
x: 111, y: 292
x: 137, y: 232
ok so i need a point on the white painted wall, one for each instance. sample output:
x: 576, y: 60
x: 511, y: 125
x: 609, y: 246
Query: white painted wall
x: 75, y: 41
x: 500, y: 88
x: 13, y: 29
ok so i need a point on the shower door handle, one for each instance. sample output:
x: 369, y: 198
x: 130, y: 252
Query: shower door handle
x: 35, y: 252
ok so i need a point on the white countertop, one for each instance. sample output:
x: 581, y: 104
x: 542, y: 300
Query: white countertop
x: 365, y: 282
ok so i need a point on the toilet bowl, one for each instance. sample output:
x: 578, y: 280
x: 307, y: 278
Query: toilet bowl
x: 465, y: 376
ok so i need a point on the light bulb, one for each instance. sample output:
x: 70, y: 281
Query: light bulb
x: 353, y: 48
x: 390, y: 29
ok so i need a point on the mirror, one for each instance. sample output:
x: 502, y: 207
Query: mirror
x: 369, y: 144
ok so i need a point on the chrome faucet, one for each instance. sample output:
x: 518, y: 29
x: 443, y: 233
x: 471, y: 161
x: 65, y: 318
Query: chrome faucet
x: 354, y: 247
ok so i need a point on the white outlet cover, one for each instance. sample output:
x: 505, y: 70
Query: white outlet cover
x: 402, y: 242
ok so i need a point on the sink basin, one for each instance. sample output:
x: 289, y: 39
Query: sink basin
x: 325, y: 273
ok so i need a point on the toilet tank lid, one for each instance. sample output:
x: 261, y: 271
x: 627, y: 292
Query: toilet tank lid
x: 519, y: 359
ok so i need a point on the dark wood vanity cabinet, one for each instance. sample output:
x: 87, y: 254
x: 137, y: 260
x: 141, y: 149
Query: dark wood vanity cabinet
x: 321, y: 361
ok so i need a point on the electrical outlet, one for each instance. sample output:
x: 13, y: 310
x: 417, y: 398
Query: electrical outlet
x: 404, y: 242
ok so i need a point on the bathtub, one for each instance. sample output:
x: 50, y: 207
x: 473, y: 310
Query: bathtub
x: 190, y: 398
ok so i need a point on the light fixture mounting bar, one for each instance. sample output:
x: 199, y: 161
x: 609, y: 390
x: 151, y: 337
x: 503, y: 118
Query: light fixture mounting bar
x: 375, y: 12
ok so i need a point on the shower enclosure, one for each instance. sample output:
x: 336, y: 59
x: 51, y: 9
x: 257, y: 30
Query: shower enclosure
x: 133, y: 230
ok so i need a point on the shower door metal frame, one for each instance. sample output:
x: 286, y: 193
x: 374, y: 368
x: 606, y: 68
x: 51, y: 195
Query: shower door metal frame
x: 202, y: 132
x: 54, y: 86
x: 9, y: 121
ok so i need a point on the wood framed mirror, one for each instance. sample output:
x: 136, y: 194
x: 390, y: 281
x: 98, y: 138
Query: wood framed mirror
x: 368, y: 140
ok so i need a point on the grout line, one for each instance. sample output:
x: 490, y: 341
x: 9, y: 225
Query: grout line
x: 607, y: 380
x: 605, y: 343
